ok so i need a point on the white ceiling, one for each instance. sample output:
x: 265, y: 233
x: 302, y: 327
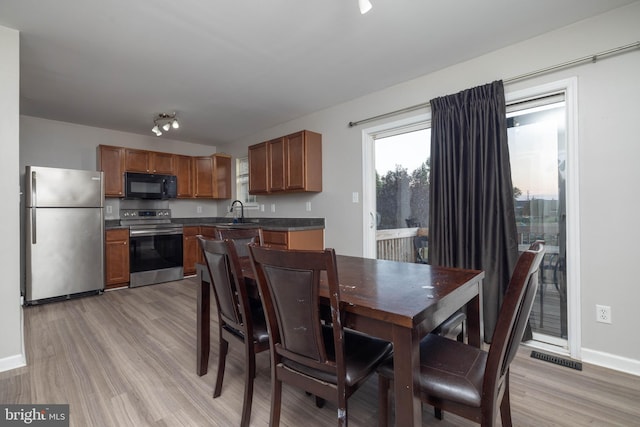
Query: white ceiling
x: 234, y: 67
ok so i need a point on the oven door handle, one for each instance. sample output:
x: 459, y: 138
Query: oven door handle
x: 137, y: 233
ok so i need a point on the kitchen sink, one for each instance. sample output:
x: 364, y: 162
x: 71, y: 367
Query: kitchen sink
x: 238, y: 225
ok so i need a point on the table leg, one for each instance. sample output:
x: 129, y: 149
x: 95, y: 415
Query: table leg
x: 406, y: 352
x: 203, y: 311
x: 474, y: 319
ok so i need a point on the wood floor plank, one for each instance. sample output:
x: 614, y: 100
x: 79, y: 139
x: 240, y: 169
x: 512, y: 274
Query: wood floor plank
x: 127, y: 358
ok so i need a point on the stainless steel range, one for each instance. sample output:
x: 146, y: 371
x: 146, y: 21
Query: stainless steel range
x: 155, y: 246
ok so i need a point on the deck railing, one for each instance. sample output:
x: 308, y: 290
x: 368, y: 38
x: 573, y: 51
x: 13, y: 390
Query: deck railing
x: 397, y: 244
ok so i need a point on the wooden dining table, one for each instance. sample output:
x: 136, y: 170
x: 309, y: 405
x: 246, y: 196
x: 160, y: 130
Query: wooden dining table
x: 396, y: 301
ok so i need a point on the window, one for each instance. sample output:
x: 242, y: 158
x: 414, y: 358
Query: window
x: 242, y: 184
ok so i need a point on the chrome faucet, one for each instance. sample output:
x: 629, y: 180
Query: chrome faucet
x: 241, y: 209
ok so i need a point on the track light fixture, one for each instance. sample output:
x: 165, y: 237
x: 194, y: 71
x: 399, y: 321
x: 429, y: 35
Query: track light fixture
x: 164, y: 121
x: 365, y: 6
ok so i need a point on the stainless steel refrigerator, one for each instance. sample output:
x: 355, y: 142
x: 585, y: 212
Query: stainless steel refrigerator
x: 64, y: 232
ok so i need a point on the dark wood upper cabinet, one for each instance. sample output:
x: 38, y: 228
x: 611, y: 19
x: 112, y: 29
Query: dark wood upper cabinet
x: 184, y: 173
x: 303, y: 161
x: 258, y: 169
x: 292, y: 163
x: 276, y: 149
x: 111, y: 163
x: 221, y: 176
x: 203, y: 173
x: 137, y: 160
x: 149, y: 161
x: 163, y: 163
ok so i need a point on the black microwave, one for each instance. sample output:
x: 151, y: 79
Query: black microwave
x: 150, y: 186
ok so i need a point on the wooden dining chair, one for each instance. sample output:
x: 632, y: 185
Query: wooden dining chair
x: 463, y: 379
x: 241, y: 237
x: 239, y: 318
x: 323, y: 359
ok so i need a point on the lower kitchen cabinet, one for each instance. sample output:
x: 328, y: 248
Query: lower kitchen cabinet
x: 190, y: 249
x: 116, y: 258
x: 301, y: 239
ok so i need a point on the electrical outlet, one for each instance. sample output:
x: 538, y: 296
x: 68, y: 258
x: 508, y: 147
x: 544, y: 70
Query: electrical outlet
x: 273, y: 207
x: 603, y: 313
x: 308, y: 206
x: 109, y: 209
x: 199, y: 209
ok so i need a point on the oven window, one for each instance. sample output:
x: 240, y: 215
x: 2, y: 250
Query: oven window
x: 148, y: 253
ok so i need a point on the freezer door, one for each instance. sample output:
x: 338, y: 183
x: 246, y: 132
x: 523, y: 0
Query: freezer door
x: 53, y: 187
x: 65, y: 256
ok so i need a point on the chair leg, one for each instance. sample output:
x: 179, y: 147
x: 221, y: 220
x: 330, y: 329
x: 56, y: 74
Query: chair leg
x: 343, y: 420
x: 276, y: 398
x: 437, y: 412
x: 320, y: 402
x: 460, y: 337
x: 222, y: 358
x: 383, y: 401
x: 250, y: 374
x: 505, y: 405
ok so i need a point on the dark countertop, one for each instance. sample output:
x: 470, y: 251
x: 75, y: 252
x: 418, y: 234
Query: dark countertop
x: 271, y: 224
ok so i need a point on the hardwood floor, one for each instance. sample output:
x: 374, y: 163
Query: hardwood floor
x: 127, y: 358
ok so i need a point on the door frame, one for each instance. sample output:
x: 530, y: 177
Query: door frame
x: 570, y: 88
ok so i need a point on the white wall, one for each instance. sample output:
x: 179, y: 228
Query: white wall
x: 11, y: 346
x: 609, y: 148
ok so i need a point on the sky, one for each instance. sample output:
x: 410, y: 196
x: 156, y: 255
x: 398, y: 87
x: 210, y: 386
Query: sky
x: 409, y: 150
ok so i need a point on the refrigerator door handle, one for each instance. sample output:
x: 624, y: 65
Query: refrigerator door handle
x: 34, y: 203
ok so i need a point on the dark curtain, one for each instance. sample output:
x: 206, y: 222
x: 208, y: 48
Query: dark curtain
x: 472, y: 218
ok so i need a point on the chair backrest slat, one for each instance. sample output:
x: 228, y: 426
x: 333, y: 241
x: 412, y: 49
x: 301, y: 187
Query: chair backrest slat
x: 241, y: 237
x: 228, y: 283
x: 295, y: 300
x: 513, y: 317
x: 289, y: 283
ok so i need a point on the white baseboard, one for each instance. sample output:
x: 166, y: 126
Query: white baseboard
x: 12, y: 362
x: 611, y: 361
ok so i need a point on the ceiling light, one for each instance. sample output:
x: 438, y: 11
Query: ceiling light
x: 365, y: 6
x: 164, y: 121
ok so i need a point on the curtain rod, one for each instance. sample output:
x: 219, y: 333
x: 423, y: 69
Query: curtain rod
x: 590, y: 58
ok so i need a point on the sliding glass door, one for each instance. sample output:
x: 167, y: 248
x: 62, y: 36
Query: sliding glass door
x: 543, y: 153
x: 537, y: 147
